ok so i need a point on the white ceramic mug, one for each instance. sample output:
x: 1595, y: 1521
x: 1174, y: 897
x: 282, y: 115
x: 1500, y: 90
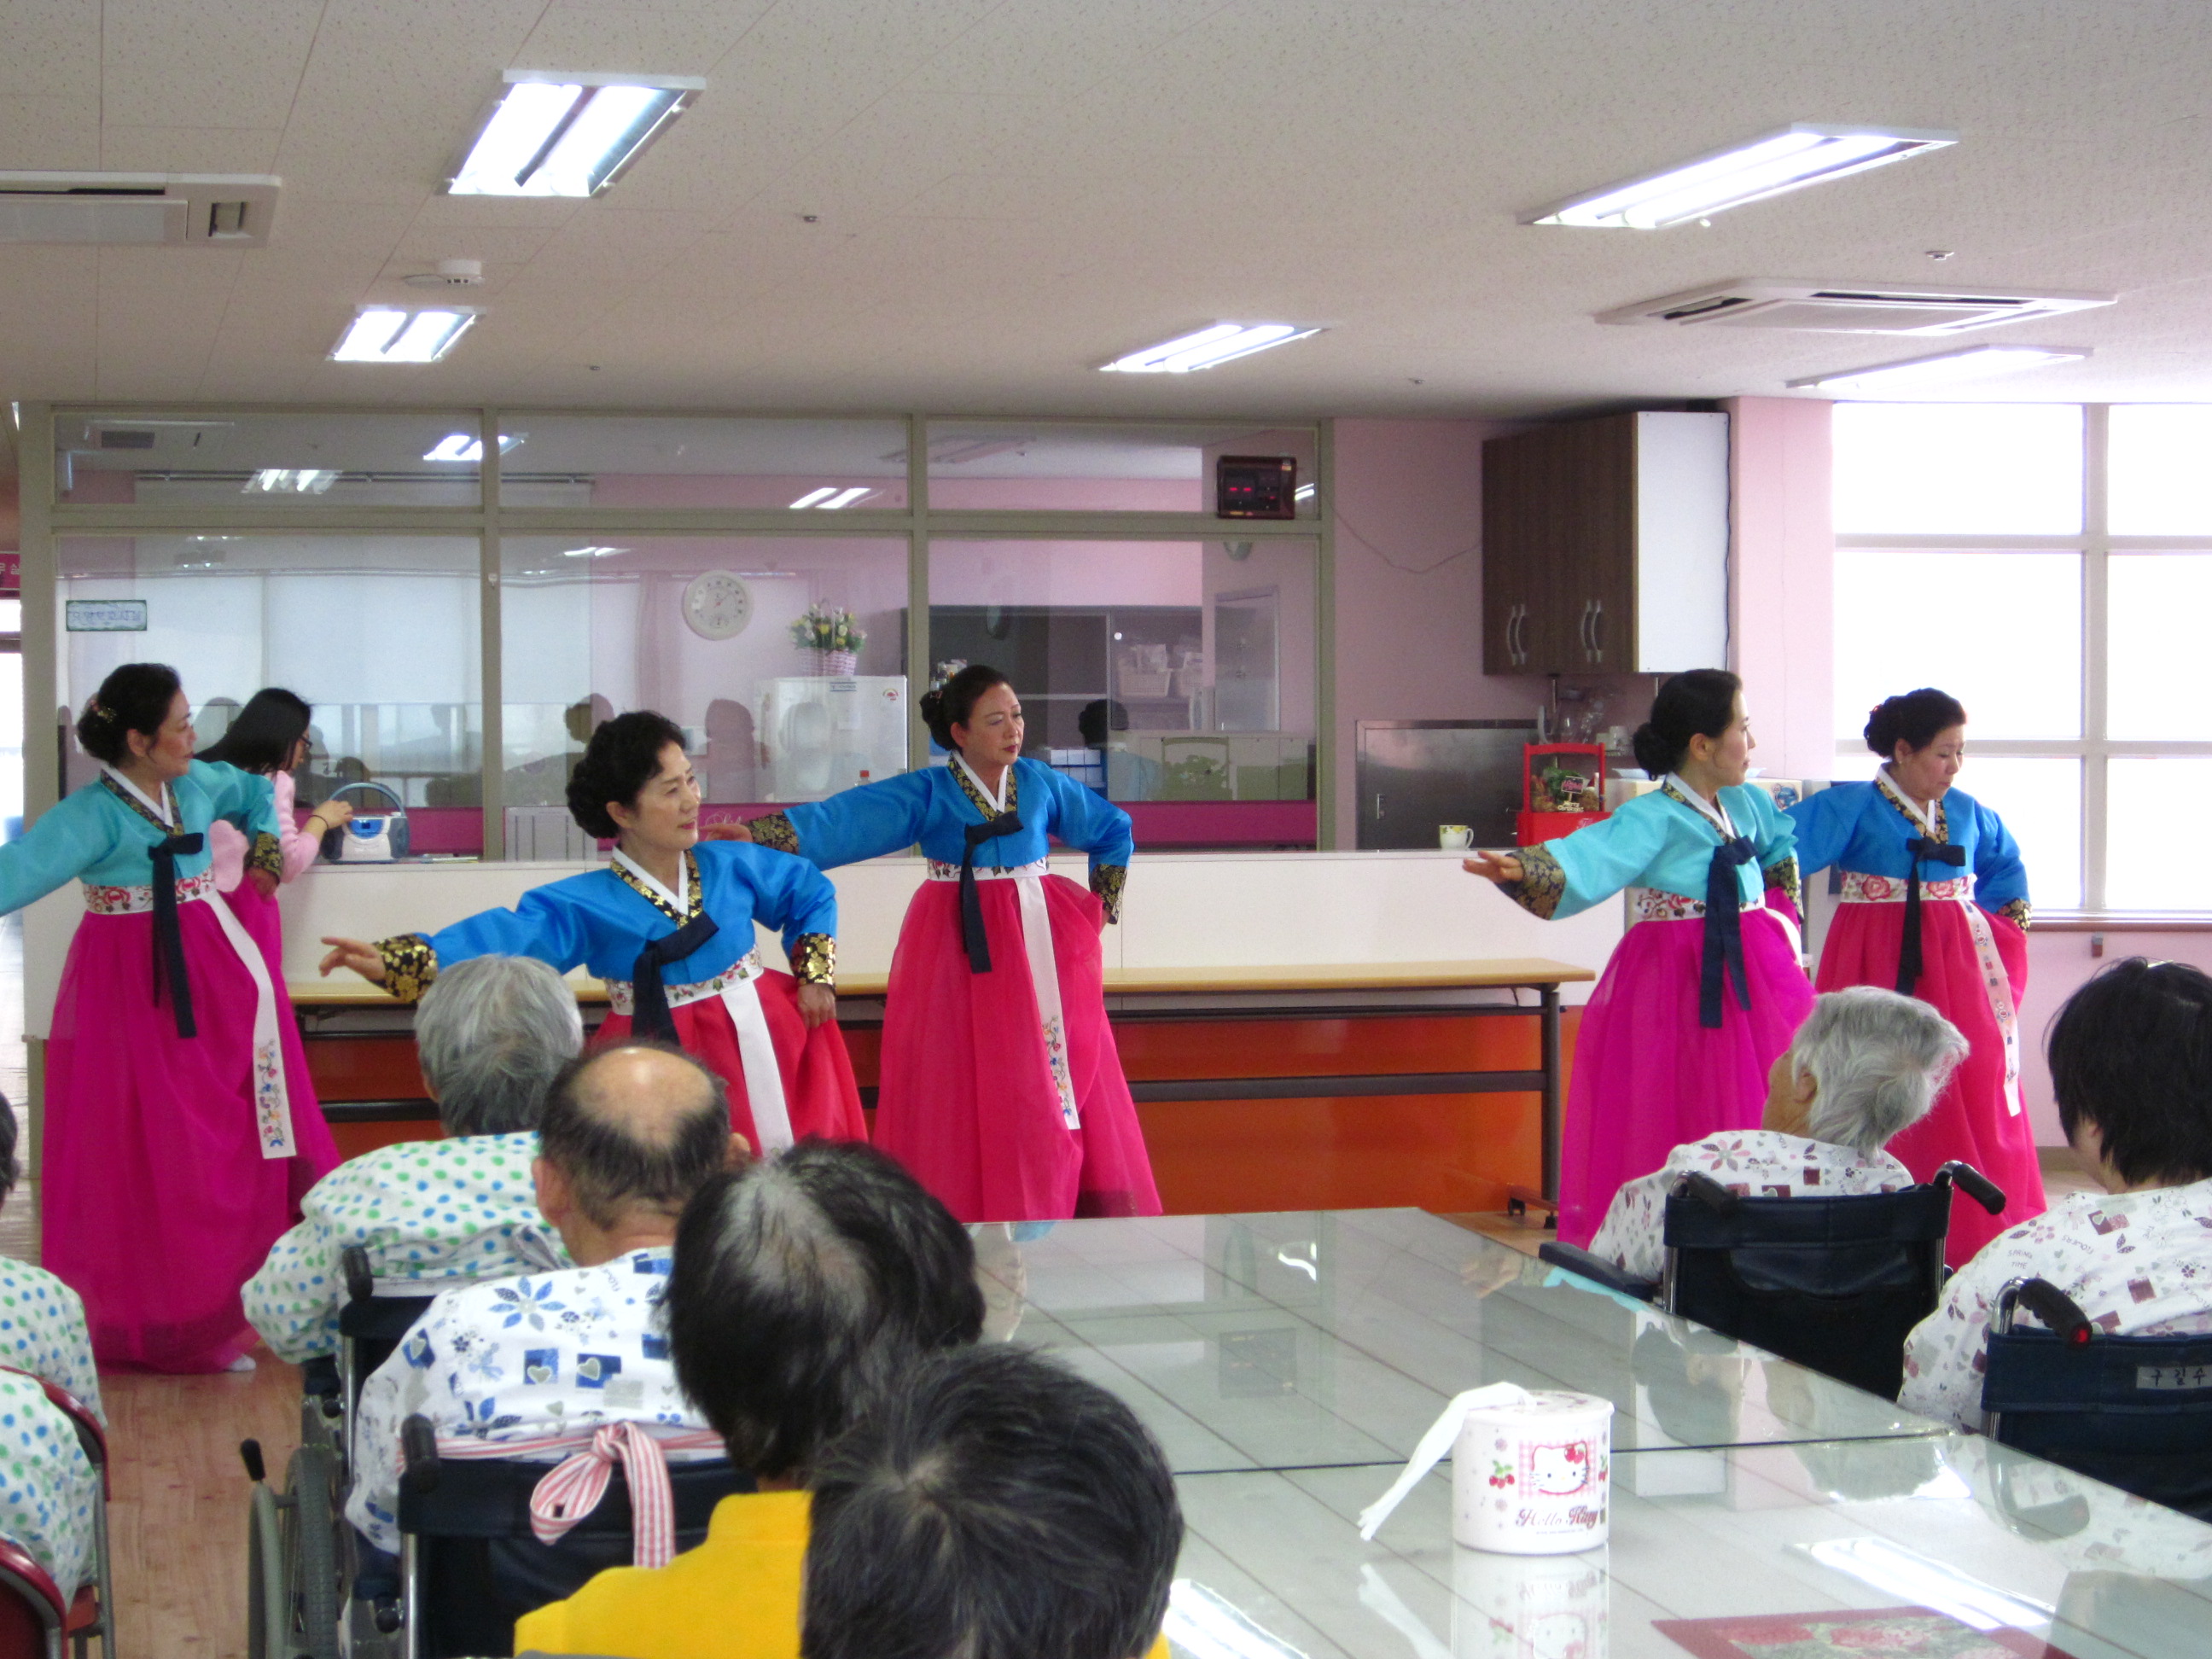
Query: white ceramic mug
x: 1534, y: 1477
x: 1454, y: 837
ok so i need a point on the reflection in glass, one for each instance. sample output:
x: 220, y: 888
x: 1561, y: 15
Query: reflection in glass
x: 291, y: 461
x: 700, y: 629
x: 2156, y: 683
x: 1154, y: 670
x: 2160, y: 485
x: 1040, y: 466
x: 378, y: 633
x: 2010, y: 649
x: 1957, y: 469
x: 670, y: 461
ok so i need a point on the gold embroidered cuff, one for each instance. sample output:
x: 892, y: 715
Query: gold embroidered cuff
x: 775, y: 830
x: 1543, y: 884
x: 814, y: 959
x: 1107, y: 881
x: 409, y: 965
x: 1783, y: 875
x: 266, y: 854
x: 2017, y: 912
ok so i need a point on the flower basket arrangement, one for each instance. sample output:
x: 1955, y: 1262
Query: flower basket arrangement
x: 833, y: 633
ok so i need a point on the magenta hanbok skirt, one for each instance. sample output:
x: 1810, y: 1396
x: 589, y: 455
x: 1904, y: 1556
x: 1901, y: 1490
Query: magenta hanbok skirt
x: 156, y: 1203
x: 967, y: 1102
x: 1648, y: 1078
x: 1974, y: 1119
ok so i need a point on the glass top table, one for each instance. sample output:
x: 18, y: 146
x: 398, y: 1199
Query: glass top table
x: 1311, y: 1340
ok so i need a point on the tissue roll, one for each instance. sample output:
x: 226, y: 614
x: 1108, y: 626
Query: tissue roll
x: 1534, y: 1479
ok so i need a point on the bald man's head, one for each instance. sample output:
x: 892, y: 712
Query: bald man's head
x: 635, y: 1130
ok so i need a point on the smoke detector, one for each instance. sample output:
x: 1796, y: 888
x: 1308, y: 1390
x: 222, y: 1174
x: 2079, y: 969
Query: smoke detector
x: 450, y: 273
x: 1851, y: 307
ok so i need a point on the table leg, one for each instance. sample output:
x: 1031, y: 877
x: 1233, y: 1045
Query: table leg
x: 1548, y: 1022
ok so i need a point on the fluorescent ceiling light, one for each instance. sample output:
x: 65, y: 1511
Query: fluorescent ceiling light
x: 1895, y: 1570
x: 593, y: 552
x: 392, y: 334
x: 1804, y: 153
x: 286, y: 481
x: 1968, y: 363
x: 467, y: 446
x: 846, y: 498
x: 551, y: 134
x: 1216, y: 343
x: 816, y: 497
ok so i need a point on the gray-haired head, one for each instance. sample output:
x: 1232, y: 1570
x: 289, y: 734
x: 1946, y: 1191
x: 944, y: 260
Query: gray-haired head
x: 492, y: 1033
x: 1879, y: 1060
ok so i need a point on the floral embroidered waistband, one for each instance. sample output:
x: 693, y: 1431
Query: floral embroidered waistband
x: 1861, y: 888
x: 131, y: 901
x: 952, y: 872
x: 621, y: 996
x: 1656, y: 904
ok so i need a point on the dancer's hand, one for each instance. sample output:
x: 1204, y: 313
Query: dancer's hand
x: 263, y: 883
x: 732, y: 830
x: 817, y: 1003
x: 1501, y: 867
x: 356, y: 954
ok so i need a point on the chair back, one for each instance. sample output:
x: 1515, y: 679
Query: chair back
x: 91, y: 1433
x: 31, y: 1611
x: 1834, y: 1284
x: 2133, y: 1412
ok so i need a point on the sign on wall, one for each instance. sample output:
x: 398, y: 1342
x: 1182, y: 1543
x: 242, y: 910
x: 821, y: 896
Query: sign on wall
x: 105, y: 616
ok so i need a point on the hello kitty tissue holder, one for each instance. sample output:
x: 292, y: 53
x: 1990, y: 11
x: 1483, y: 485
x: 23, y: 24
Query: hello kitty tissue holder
x: 1532, y: 1472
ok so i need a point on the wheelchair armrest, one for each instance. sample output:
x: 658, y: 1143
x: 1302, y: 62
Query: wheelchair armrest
x: 1973, y: 1183
x: 360, y: 1279
x: 1595, y: 1269
x: 2048, y: 1303
x: 418, y: 1453
x: 1707, y: 1191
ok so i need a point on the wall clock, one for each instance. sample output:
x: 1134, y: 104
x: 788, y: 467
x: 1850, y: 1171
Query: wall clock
x: 717, y: 604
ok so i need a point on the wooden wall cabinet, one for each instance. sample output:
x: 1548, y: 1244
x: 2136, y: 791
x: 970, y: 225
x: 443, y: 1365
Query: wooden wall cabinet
x: 1605, y: 546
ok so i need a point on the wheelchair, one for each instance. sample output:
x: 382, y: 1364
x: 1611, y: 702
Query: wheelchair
x: 1832, y: 1283
x: 2133, y: 1412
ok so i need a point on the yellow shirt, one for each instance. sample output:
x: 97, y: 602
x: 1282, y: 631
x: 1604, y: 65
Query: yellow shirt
x: 737, y: 1592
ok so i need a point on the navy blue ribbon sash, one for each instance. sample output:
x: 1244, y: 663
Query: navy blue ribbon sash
x: 168, y: 938
x: 971, y: 902
x: 649, y: 1015
x: 1908, y: 959
x: 1723, y: 932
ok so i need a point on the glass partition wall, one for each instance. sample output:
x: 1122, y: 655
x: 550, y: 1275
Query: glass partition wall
x: 464, y: 594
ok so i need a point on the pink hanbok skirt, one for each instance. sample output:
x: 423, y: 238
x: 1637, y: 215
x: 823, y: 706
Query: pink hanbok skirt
x: 967, y: 1102
x: 156, y: 1204
x: 1648, y: 1078
x: 1972, y: 1119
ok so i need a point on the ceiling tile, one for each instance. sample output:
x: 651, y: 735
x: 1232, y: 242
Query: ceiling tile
x: 189, y: 149
x: 52, y: 49
x: 213, y: 63
x: 50, y: 134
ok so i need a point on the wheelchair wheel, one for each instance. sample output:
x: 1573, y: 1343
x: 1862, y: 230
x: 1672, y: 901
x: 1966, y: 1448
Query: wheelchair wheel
x: 292, y: 1578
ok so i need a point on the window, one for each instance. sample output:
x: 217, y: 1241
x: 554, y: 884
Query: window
x: 2046, y: 564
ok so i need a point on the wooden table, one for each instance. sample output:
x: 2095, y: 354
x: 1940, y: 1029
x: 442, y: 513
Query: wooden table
x: 1244, y: 993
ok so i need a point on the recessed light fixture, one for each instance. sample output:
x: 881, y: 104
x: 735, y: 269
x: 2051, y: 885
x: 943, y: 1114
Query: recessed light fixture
x: 830, y: 497
x: 551, y: 134
x: 394, y: 334
x: 467, y: 446
x: 1216, y: 344
x: 286, y: 481
x: 1804, y: 153
x: 1967, y: 363
x: 593, y: 552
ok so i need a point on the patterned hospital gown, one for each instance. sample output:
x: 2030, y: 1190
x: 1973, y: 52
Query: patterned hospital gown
x: 517, y: 1358
x: 48, y: 1485
x: 1753, y: 1163
x: 431, y: 1213
x: 42, y: 1331
x: 2138, y: 1264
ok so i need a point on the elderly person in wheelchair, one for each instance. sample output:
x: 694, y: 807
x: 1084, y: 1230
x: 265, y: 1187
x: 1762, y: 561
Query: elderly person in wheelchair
x: 492, y: 1035
x: 2131, y: 1060
x: 1866, y: 1064
x: 532, y: 1367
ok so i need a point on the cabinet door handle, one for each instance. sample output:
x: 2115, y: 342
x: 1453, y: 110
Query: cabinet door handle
x: 1378, y: 804
x: 1597, y: 631
x: 1515, y: 652
x: 1583, y: 630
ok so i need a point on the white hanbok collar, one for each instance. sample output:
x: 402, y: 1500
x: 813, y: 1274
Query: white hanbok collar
x: 1712, y: 810
x: 164, y: 810
x: 996, y: 797
x: 1924, y: 817
x: 681, y: 902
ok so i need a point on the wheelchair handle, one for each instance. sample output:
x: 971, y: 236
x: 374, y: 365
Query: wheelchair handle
x: 359, y: 1281
x: 2048, y: 1303
x: 418, y: 1452
x: 1707, y: 1191
x: 1973, y: 1183
x: 249, y: 1452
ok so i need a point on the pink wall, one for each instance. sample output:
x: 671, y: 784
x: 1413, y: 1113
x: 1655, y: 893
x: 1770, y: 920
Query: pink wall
x: 1782, y: 579
x: 2057, y: 965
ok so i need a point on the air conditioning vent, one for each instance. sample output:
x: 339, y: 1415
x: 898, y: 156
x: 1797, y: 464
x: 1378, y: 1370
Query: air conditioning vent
x: 132, y: 210
x: 1869, y: 308
x: 125, y: 438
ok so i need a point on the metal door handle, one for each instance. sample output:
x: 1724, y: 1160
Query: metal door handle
x: 1583, y: 630
x: 1378, y: 804
x: 1597, y: 630
x: 1514, y: 654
